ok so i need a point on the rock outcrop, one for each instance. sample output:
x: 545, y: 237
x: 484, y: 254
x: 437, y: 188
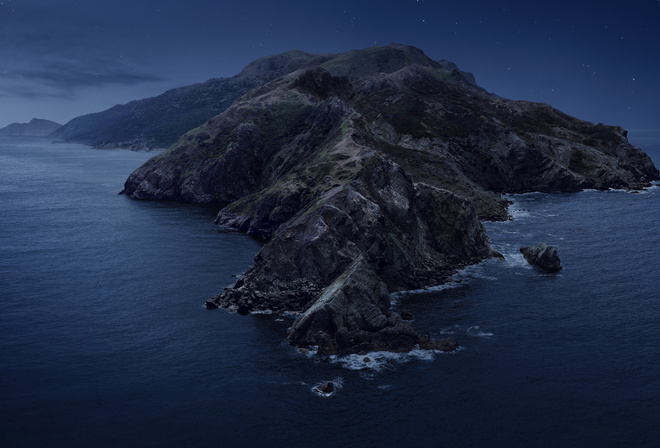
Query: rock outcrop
x: 542, y: 256
x: 339, y: 260
x: 325, y: 389
x: 353, y: 315
x: 369, y: 173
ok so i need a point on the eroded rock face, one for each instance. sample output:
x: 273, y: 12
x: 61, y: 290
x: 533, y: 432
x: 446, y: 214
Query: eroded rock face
x: 542, y: 256
x: 410, y: 235
x: 352, y: 315
x: 338, y: 262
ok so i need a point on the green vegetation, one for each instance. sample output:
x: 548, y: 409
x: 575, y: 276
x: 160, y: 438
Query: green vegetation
x: 579, y: 161
x: 596, y: 134
x: 280, y: 122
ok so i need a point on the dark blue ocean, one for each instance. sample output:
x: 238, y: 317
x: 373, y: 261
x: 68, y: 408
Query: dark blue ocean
x: 104, y: 340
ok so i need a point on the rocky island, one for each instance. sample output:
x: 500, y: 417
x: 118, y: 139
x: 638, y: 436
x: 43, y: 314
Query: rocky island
x: 370, y: 172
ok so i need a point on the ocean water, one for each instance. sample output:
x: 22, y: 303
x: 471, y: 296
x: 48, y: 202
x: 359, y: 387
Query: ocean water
x: 104, y: 340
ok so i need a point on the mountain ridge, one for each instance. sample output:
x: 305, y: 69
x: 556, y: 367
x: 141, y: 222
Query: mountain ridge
x: 159, y: 121
x: 37, y: 127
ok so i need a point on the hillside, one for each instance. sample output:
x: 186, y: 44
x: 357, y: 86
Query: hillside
x: 35, y: 128
x: 369, y: 173
x: 157, y: 122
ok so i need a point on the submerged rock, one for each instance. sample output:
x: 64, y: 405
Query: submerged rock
x: 542, y: 256
x: 444, y: 345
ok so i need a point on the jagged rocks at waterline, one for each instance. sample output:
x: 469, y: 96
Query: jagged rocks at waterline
x: 337, y: 263
x: 353, y: 315
x: 542, y: 256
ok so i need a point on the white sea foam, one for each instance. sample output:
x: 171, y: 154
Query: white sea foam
x: 374, y: 362
x: 308, y: 352
x: 511, y: 232
x: 650, y: 190
x: 515, y: 259
x: 512, y: 256
x: 451, y: 330
x: 518, y: 214
x: 474, y: 331
x: 396, y: 296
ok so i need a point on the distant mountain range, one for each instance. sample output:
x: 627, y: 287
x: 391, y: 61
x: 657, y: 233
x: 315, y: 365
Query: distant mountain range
x: 35, y: 128
x: 159, y: 121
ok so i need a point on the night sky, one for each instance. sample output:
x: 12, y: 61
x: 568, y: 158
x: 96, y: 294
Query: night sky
x: 596, y: 60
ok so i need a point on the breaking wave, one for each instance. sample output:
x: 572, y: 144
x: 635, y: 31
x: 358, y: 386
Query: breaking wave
x: 375, y: 362
x: 475, y: 332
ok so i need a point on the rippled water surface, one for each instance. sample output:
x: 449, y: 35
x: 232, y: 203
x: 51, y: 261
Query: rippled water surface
x: 105, y: 341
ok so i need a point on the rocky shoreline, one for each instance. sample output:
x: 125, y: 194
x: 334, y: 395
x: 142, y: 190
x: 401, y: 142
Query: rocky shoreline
x: 368, y: 174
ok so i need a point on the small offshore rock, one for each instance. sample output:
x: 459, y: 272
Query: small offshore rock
x: 325, y: 388
x: 406, y: 315
x: 496, y: 254
x: 542, y: 256
x: 210, y: 305
x: 366, y: 359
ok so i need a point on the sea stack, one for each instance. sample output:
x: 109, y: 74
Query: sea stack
x: 542, y: 256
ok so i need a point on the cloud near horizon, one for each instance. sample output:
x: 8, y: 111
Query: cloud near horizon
x: 62, y: 78
x: 42, y: 55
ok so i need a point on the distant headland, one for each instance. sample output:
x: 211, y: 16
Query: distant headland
x: 35, y: 128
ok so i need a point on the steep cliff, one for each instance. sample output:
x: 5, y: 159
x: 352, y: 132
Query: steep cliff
x: 374, y: 168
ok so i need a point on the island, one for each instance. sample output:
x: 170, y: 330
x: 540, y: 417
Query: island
x: 370, y: 172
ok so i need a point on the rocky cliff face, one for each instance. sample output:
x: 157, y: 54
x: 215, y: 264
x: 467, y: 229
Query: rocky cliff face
x: 410, y: 235
x: 370, y: 172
